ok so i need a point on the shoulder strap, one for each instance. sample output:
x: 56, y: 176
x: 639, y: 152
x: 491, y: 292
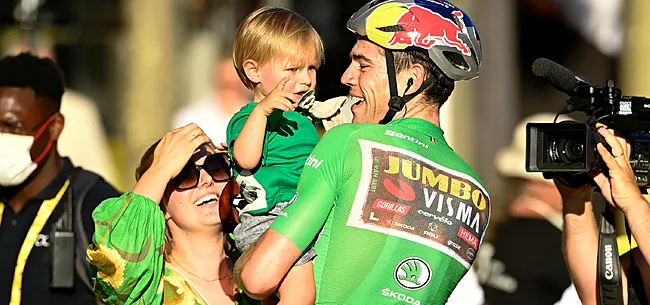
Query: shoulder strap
x: 82, y: 182
x: 610, y: 286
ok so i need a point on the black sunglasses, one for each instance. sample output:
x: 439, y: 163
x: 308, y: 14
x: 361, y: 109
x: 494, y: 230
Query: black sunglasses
x: 216, y: 165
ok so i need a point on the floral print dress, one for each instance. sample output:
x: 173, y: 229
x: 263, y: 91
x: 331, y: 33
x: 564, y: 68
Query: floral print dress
x: 126, y: 257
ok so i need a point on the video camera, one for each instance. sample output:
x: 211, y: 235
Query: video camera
x: 567, y: 150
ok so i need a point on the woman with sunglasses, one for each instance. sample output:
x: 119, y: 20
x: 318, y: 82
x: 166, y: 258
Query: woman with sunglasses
x: 162, y: 242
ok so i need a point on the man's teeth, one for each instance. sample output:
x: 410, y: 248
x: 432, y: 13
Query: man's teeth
x: 355, y: 100
x: 206, y: 199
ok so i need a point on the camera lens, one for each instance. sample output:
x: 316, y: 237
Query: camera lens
x: 554, y: 153
x: 574, y: 150
x: 567, y: 151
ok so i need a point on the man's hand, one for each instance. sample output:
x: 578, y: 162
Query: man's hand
x: 620, y: 187
x: 263, y: 266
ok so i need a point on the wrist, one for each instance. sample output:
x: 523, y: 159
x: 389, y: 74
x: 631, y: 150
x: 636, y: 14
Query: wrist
x: 575, y: 205
x: 152, y: 184
x: 635, y: 206
x: 259, y: 111
x: 161, y: 171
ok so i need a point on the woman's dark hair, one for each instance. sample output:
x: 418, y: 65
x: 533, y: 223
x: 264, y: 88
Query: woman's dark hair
x: 145, y: 164
x: 146, y: 161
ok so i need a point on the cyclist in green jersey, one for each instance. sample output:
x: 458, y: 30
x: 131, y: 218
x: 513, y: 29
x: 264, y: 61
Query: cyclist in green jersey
x: 395, y: 214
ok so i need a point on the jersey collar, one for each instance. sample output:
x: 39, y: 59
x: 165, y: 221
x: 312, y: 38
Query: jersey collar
x: 423, y: 126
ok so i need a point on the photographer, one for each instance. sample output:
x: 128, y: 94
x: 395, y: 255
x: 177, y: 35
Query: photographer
x: 580, y: 238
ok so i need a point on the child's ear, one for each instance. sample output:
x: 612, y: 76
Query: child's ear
x: 251, y: 68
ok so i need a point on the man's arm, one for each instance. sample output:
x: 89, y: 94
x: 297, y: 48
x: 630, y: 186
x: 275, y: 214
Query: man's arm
x: 580, y: 244
x: 637, y: 216
x: 263, y: 266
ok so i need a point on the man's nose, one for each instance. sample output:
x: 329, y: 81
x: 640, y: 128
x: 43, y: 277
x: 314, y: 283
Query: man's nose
x: 349, y: 78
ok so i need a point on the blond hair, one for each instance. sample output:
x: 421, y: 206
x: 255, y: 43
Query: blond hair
x: 267, y: 32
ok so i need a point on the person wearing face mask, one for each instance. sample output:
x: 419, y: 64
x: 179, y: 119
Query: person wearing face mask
x: 45, y: 201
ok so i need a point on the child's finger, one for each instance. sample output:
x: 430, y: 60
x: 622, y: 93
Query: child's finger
x: 283, y: 105
x: 288, y: 96
x: 282, y: 82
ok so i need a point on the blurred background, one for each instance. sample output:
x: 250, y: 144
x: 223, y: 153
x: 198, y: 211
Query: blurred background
x: 137, y: 68
x: 144, y: 65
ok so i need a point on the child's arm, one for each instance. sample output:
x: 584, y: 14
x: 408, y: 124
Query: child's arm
x: 247, y: 149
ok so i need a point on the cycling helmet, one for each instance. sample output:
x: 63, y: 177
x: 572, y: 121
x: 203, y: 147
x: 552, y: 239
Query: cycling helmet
x: 435, y: 27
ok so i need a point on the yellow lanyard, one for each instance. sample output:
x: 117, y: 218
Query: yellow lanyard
x: 44, y: 212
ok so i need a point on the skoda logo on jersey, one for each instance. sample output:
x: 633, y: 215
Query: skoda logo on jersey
x: 413, y: 273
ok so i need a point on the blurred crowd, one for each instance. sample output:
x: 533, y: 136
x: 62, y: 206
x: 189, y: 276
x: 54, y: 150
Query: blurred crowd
x: 521, y: 259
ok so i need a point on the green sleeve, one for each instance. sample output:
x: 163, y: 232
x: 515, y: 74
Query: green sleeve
x: 126, y: 255
x: 321, y: 177
x: 235, y: 126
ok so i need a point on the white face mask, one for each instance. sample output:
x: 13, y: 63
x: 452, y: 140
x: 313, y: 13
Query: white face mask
x: 16, y: 164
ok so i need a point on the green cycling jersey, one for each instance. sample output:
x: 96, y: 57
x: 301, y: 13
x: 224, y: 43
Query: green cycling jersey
x: 398, y: 214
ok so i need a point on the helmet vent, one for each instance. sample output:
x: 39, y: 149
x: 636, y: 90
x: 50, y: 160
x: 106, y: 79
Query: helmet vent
x: 392, y: 28
x: 456, y: 60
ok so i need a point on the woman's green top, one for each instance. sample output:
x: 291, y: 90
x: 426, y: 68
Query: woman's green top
x: 126, y: 257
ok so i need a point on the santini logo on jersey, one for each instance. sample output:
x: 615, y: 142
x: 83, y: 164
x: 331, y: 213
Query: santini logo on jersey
x: 406, y: 137
x: 313, y: 162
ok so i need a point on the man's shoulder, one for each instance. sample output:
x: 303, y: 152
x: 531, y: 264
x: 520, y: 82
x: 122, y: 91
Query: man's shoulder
x: 353, y: 130
x: 95, y: 187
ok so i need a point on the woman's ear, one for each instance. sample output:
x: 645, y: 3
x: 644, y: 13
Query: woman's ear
x: 252, y: 70
x: 164, y: 202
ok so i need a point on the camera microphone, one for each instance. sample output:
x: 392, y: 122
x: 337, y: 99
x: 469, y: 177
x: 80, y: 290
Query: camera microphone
x: 559, y: 76
x: 563, y: 80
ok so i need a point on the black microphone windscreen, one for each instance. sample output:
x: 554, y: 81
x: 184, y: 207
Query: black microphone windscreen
x: 559, y: 76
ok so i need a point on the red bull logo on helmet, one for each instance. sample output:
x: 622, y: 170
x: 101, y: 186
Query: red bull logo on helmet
x: 418, y: 26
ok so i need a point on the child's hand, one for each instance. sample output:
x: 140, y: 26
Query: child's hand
x: 278, y: 99
x: 222, y: 147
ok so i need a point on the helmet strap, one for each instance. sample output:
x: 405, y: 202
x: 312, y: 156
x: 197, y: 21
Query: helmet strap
x: 396, y: 102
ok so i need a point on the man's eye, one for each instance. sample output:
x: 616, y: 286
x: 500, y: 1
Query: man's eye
x: 363, y: 67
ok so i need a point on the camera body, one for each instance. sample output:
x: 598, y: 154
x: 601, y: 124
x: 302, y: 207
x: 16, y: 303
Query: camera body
x: 567, y: 150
